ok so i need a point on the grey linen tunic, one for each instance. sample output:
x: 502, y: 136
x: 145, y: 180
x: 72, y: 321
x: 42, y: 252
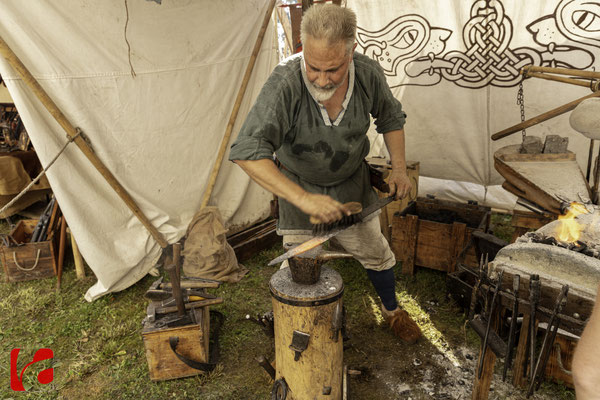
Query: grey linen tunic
x: 319, y: 156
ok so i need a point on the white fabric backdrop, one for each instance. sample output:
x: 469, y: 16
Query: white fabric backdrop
x: 158, y: 132
x: 454, y: 65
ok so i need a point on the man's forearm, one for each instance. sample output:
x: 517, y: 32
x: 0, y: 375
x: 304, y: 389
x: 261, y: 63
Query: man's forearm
x: 394, y: 142
x: 586, y: 374
x: 266, y: 174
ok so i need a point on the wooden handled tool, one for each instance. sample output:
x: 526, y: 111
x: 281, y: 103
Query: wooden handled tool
x: 354, y: 207
x: 177, y: 294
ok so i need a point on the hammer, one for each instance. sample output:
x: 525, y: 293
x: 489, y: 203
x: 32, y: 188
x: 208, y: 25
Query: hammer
x: 177, y: 294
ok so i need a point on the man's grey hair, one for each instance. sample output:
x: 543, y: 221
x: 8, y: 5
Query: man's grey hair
x: 330, y: 22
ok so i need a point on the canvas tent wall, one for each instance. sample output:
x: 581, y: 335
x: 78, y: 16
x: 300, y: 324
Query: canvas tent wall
x: 454, y: 66
x: 158, y: 132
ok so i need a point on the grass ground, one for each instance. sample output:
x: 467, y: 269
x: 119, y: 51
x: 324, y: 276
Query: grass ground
x: 99, y: 353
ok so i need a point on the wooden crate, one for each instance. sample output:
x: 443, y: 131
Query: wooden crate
x: 29, y: 260
x: 385, y: 218
x: 553, y: 370
x: 163, y: 363
x: 525, y: 221
x: 419, y: 239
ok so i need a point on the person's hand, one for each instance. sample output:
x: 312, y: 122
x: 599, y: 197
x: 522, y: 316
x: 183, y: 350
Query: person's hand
x: 399, y: 183
x: 322, y: 207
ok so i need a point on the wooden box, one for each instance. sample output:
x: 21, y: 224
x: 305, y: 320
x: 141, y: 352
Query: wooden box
x: 193, y: 343
x: 433, y: 233
x: 29, y: 260
x: 559, y: 365
x: 385, y: 218
x: 525, y: 221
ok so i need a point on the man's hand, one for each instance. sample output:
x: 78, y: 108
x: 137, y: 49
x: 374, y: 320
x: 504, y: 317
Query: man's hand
x: 321, y: 207
x: 399, y: 183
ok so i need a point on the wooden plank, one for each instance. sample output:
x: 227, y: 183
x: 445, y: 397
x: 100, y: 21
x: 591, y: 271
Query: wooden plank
x: 251, y: 231
x: 255, y: 244
x: 518, y: 157
x: 404, y: 238
x: 434, y: 245
x: 481, y: 387
x: 526, y: 188
x: 531, y: 220
x: 520, y: 363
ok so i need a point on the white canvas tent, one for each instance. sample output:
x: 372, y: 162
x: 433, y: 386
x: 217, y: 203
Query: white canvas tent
x: 453, y: 66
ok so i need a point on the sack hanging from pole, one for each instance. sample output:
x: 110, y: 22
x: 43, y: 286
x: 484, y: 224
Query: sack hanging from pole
x: 206, y: 251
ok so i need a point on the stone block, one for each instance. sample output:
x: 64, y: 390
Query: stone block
x: 531, y: 145
x: 555, y: 144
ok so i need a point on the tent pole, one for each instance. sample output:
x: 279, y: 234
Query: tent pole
x: 236, y: 107
x: 74, y: 135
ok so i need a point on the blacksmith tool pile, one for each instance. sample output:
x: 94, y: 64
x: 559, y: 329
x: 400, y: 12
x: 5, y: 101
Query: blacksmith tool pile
x: 487, y: 295
x: 175, y: 303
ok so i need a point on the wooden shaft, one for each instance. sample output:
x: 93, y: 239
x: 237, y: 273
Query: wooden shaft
x: 177, y: 259
x: 61, y: 250
x: 543, y: 117
x: 79, y: 268
x: 177, y: 293
x: 41, y: 94
x: 560, y: 71
x: 559, y: 79
x: 236, y: 107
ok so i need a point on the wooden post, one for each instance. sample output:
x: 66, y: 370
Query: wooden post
x: 236, y: 107
x: 73, y: 133
x: 481, y: 387
x: 61, y: 249
x: 520, y: 364
x: 79, y: 267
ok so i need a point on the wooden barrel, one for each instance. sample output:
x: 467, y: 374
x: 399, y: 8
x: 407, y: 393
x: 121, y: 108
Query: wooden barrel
x: 308, y: 338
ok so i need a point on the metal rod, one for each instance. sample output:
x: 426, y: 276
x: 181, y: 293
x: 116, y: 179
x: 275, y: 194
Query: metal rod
x: 513, y: 326
x: 490, y: 316
x: 547, y: 347
x: 534, y: 297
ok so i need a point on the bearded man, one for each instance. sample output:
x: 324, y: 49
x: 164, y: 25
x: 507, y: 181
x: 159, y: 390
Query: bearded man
x: 313, y: 113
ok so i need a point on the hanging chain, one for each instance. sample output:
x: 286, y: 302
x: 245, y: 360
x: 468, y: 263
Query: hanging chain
x: 521, y: 103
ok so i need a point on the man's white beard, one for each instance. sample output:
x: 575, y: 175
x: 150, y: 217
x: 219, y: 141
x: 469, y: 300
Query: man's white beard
x: 323, y: 94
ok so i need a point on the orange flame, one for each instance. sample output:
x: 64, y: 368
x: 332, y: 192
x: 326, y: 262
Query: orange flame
x: 570, y: 230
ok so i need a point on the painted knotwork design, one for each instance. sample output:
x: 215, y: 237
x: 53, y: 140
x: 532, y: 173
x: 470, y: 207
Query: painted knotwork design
x: 412, y: 52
